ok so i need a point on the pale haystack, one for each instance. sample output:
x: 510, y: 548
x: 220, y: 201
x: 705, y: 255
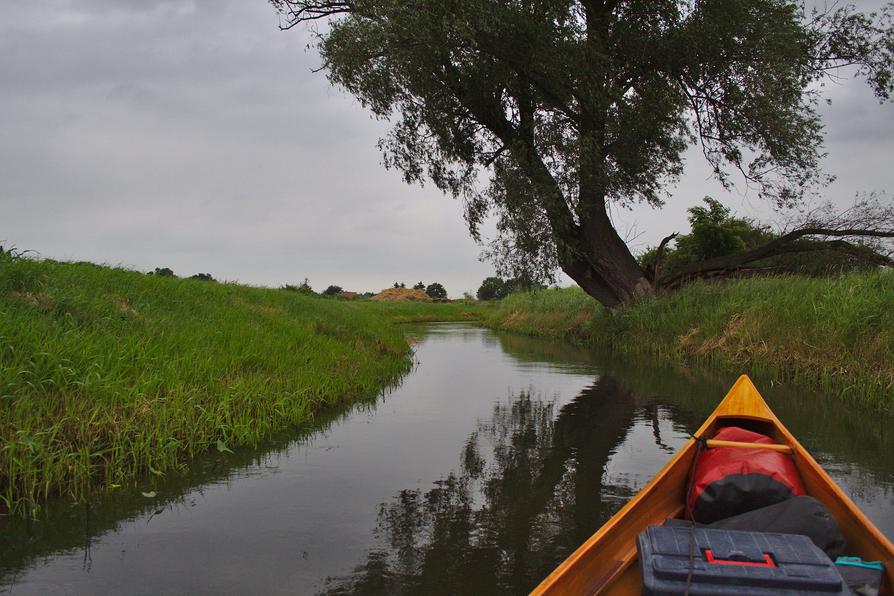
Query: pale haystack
x: 402, y: 295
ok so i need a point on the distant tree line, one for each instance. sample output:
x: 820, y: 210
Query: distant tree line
x: 496, y: 288
x: 302, y: 288
x: 168, y: 272
x: 434, y: 290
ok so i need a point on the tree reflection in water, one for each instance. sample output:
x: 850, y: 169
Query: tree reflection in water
x: 527, y: 493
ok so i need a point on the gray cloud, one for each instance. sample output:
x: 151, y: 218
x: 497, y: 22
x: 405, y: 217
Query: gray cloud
x: 194, y: 135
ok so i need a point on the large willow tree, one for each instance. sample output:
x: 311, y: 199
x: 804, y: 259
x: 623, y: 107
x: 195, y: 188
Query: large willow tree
x: 547, y: 112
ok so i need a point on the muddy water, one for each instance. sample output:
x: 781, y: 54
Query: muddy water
x: 495, y: 458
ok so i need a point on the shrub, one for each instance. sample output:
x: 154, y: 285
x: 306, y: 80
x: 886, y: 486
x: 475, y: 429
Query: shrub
x: 492, y: 288
x: 302, y: 288
x: 436, y: 291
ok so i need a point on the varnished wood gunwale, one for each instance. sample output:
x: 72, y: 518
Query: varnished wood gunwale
x: 606, y: 563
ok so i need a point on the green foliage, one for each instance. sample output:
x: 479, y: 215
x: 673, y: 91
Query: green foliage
x: 202, y: 277
x: 436, y: 291
x: 522, y: 284
x: 302, y: 288
x: 332, y: 291
x: 492, y: 288
x: 162, y: 272
x: 495, y: 288
x: 715, y: 232
x: 419, y: 286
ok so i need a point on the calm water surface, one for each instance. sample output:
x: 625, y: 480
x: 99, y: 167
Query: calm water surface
x: 489, y: 464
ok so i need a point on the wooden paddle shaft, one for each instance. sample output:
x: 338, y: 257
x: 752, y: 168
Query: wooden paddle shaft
x: 714, y: 443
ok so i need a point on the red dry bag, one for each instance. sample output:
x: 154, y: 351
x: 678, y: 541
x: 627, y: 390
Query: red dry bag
x: 733, y: 480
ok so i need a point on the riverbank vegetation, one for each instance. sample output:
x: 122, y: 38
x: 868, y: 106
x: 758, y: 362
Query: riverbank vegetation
x: 107, y: 374
x: 834, y: 333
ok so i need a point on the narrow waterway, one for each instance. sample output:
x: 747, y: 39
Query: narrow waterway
x: 494, y: 458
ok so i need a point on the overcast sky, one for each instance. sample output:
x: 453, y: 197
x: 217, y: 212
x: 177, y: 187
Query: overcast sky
x: 193, y: 135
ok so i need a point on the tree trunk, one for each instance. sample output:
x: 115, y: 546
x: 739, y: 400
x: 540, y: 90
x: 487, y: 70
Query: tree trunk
x: 607, y: 270
x: 604, y: 266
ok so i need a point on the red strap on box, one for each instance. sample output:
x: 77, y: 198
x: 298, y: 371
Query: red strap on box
x: 768, y: 561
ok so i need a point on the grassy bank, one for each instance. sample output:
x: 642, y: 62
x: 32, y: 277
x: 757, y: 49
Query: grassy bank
x: 833, y: 333
x: 422, y: 312
x: 108, y: 374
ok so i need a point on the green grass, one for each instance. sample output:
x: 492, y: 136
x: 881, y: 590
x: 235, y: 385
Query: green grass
x: 422, y: 312
x: 554, y: 312
x: 107, y: 375
x: 833, y: 333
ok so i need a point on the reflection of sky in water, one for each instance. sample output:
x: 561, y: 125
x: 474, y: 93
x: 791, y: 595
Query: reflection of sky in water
x: 492, y: 461
x: 875, y: 498
x: 635, y: 461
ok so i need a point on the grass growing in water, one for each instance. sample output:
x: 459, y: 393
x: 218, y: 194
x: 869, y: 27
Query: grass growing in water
x: 108, y: 374
x: 834, y: 333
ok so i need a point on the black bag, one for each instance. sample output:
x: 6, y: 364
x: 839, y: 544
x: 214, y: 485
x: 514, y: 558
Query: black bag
x: 798, y: 515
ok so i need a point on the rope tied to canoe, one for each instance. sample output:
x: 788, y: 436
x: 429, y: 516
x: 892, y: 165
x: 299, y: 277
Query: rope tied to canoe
x: 700, y: 444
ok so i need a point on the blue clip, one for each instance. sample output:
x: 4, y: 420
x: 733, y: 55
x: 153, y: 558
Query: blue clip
x: 858, y: 562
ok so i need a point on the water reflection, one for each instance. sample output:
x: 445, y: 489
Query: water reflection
x: 532, y: 484
x: 834, y: 430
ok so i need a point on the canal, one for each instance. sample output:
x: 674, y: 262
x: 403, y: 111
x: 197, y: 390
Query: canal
x: 489, y: 463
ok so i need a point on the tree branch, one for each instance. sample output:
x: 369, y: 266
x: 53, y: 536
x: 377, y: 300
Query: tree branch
x: 785, y: 244
x: 652, y: 272
x: 305, y: 11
